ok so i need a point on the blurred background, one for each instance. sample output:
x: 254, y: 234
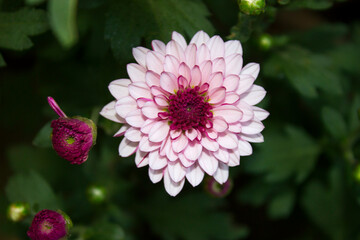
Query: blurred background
x: 303, y: 182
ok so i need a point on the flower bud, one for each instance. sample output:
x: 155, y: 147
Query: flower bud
x: 283, y: 2
x: 252, y: 7
x: 216, y: 189
x: 265, y: 42
x: 357, y: 173
x: 18, y: 211
x: 72, y: 138
x: 96, y: 194
x: 49, y: 225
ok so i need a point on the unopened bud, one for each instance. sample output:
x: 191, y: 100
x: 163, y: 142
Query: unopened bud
x: 252, y: 7
x: 265, y: 41
x: 96, y: 194
x: 216, y: 189
x: 18, y: 211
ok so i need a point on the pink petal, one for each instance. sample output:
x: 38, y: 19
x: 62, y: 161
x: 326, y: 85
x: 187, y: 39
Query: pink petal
x: 222, y: 173
x: 182, y: 82
x: 108, y: 111
x: 155, y: 91
x: 139, y: 90
x: 194, y: 175
x: 233, y: 46
x: 246, y: 81
x: 234, y: 64
x: 146, y: 146
x: 216, y: 46
x: 200, y: 38
x: 152, y: 78
x: 260, y: 113
x: 171, y: 187
x: 149, y: 123
x: 174, y: 49
x: 154, y: 61
x: 141, y: 158
x: 151, y: 110
x: 121, y: 131
x: 231, y: 82
x: 206, y: 70
x: 179, y: 143
x: 230, y: 113
x: 190, y: 55
x: 142, y: 101
x: 171, y: 64
x: 136, y: 72
x: 127, y: 147
x: 133, y: 134
x: 193, y: 151
x: 219, y: 124
x: 211, y: 133
x: 256, y: 138
x: 228, y: 140
x: 203, y: 54
x: 158, y: 46
x: 222, y: 155
x: 179, y: 39
x: 175, y: 133
x: 245, y: 148
x: 252, y: 69
x: 125, y: 105
x: 234, y: 160
x: 184, y: 161
x: 219, y: 65
x: 176, y: 171
x: 161, y: 101
x: 155, y: 175
x: 135, y: 118
x: 208, y: 162
x: 231, y: 98
x: 191, y: 134
x: 139, y: 54
x: 252, y: 127
x: 185, y: 71
x: 166, y: 150
x: 195, y: 76
x: 168, y: 82
x: 235, y: 127
x: 254, y: 95
x: 217, y: 95
x: 119, y: 88
x: 156, y: 161
x: 209, y: 144
x: 159, y: 131
x: 216, y: 80
x: 247, y: 110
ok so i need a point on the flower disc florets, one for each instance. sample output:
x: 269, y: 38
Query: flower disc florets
x: 48, y: 225
x: 188, y: 109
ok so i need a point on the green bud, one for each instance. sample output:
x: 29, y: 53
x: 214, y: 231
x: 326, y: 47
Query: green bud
x: 252, y: 7
x: 96, y: 194
x: 68, y: 222
x: 265, y: 41
x: 18, y: 211
x: 357, y: 173
x: 283, y: 2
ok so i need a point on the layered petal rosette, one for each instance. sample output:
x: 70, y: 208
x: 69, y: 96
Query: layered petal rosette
x: 188, y: 109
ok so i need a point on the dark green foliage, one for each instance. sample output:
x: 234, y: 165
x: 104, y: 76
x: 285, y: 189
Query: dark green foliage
x: 301, y: 183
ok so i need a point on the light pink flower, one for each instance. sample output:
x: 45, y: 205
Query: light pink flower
x: 188, y: 109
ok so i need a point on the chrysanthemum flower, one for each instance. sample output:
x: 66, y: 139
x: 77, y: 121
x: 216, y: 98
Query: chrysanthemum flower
x: 49, y: 225
x: 188, y: 109
x: 72, y: 138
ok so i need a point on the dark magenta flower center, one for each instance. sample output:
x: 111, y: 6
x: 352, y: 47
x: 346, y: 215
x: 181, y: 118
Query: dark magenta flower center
x: 189, y: 108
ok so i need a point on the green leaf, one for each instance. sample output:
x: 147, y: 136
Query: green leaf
x: 16, y: 27
x: 190, y: 217
x: 127, y: 22
x: 186, y: 16
x: 2, y: 61
x: 62, y: 14
x: 32, y: 188
x: 43, y: 137
x: 34, y: 2
x: 284, y: 156
x: 307, y: 72
x: 106, y: 231
x: 354, y: 121
x: 327, y: 205
x: 281, y: 205
x: 334, y: 122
